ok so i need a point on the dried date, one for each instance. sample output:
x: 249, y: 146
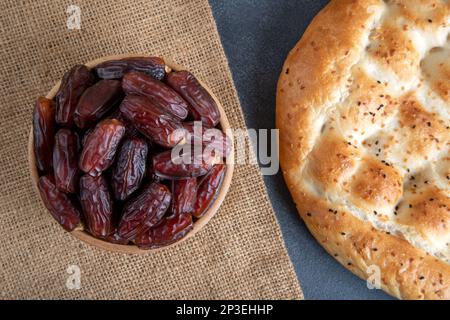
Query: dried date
x: 97, y: 205
x: 58, y: 203
x: 184, y: 195
x: 144, y: 211
x: 101, y: 146
x: 152, y: 121
x: 74, y: 83
x: 208, y: 190
x: 185, y: 165
x: 168, y: 231
x: 201, y: 105
x: 65, y: 160
x: 96, y: 101
x: 165, y: 97
x: 116, y: 239
x: 129, y: 168
x: 130, y: 130
x: 115, y: 69
x: 43, y: 133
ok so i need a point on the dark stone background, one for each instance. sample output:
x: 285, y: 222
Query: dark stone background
x: 257, y: 36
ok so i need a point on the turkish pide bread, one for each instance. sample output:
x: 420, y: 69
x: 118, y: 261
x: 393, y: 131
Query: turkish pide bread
x: 363, y: 106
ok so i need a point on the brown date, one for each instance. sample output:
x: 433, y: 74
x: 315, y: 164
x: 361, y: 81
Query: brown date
x: 96, y: 101
x: 152, y: 121
x: 116, y: 239
x: 208, y: 189
x: 129, y: 168
x: 97, y: 205
x: 65, y: 160
x: 214, y: 139
x: 168, y: 231
x: 165, y: 97
x: 181, y: 166
x: 130, y: 130
x: 100, y: 147
x: 144, y: 211
x: 201, y: 105
x: 115, y: 69
x: 58, y: 203
x: 73, y: 84
x: 184, y: 195
x: 43, y: 133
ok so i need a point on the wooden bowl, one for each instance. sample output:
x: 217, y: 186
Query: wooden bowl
x: 198, y: 225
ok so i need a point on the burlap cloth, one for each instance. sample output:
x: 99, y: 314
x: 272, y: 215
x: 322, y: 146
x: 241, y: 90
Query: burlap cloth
x: 239, y: 254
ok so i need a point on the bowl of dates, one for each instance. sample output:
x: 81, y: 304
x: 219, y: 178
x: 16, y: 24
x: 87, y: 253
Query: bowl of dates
x: 130, y: 153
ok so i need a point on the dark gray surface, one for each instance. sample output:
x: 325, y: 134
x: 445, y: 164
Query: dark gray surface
x: 257, y: 35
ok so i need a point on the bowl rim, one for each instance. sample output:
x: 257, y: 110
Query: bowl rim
x: 132, y: 248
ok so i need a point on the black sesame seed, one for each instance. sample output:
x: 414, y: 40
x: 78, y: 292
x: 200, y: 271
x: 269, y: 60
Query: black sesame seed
x: 410, y: 205
x: 308, y: 214
x: 421, y: 277
x: 343, y: 233
x: 430, y: 21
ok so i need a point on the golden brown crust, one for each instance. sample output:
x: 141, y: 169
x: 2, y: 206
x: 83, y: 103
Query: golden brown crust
x: 363, y: 114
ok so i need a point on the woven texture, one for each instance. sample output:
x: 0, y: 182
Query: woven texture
x: 239, y: 254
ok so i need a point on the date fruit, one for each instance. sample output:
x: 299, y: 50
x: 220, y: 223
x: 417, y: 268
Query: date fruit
x: 65, y: 160
x: 144, y: 211
x: 74, y: 83
x: 101, y: 146
x: 96, y: 101
x: 43, y: 133
x: 168, y: 231
x: 165, y: 97
x: 152, y: 121
x: 58, y: 203
x: 115, y: 69
x: 97, y: 205
x: 201, y: 105
x: 184, y: 195
x: 129, y: 168
x: 130, y: 130
x: 180, y: 166
x: 208, y: 189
